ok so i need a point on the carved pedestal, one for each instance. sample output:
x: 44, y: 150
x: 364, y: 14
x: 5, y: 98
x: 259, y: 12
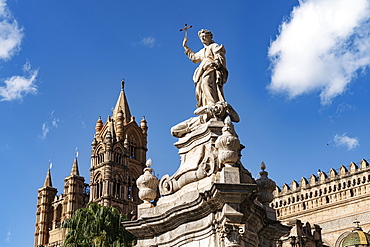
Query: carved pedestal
x: 210, y: 201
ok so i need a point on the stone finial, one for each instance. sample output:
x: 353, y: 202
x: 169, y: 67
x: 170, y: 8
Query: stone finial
x: 228, y: 144
x: 94, y: 143
x: 265, y: 187
x: 126, y: 143
x: 147, y: 184
x: 143, y: 125
x: 119, y: 124
x: 108, y: 140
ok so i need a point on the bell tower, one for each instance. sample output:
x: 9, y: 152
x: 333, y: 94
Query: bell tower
x: 118, y: 158
x: 44, y: 214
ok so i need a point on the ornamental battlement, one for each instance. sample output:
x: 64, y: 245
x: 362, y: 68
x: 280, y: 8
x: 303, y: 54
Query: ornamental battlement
x: 323, y: 191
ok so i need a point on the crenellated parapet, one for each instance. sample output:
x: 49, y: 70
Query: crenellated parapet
x: 322, y: 191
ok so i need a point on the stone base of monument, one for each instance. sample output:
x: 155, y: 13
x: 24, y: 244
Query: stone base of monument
x: 212, y: 200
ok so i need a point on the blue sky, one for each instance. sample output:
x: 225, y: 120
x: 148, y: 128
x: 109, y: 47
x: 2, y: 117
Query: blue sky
x: 298, y: 79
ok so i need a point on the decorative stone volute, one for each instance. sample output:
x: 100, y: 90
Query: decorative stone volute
x: 265, y: 187
x: 147, y: 184
x: 228, y: 145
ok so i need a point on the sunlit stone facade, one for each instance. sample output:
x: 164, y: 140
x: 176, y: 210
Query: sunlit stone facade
x: 334, y: 201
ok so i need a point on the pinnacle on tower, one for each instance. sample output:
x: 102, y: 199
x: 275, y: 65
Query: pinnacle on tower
x: 75, y: 170
x: 122, y: 105
x: 47, y: 182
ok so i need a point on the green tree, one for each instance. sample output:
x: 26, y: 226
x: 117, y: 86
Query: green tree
x: 96, y: 226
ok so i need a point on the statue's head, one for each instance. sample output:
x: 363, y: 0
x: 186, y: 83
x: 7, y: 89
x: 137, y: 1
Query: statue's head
x: 205, y: 36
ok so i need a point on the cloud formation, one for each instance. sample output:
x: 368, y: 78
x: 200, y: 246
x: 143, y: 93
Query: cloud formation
x: 321, y: 47
x: 11, y: 35
x: 8, y: 237
x: 52, y: 123
x: 345, y: 141
x: 18, y: 86
x: 148, y: 41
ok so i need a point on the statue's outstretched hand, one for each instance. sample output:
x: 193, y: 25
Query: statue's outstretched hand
x: 184, y: 43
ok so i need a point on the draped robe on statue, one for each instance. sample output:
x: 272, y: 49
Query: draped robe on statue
x: 210, y: 75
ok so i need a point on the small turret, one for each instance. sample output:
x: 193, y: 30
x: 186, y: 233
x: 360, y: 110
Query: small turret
x: 99, y: 125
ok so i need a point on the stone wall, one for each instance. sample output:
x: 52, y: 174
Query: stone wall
x: 333, y: 201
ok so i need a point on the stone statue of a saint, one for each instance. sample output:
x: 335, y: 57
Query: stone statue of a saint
x: 209, y: 78
x: 211, y: 73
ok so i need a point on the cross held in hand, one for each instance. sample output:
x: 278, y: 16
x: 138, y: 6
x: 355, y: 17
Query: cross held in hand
x: 186, y: 30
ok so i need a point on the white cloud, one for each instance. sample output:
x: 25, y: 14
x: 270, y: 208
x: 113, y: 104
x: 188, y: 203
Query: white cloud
x: 9, y: 234
x: 148, y: 41
x: 320, y: 48
x: 18, y: 86
x: 52, y: 123
x: 345, y: 141
x: 11, y: 33
x: 344, y: 107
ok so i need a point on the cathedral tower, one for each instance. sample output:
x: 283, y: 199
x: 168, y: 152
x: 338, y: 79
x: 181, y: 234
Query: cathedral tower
x: 118, y: 158
x: 74, y: 188
x: 44, y: 213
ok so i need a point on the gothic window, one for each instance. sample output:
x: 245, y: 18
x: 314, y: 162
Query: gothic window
x: 98, y: 183
x: 117, y: 186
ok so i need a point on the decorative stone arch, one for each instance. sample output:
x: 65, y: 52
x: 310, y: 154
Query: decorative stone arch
x: 340, y: 239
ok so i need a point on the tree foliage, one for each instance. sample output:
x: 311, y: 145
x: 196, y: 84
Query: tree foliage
x: 96, y: 226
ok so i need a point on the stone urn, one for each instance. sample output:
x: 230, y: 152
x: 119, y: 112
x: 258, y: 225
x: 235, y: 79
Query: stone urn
x: 228, y: 145
x: 265, y: 187
x: 147, y: 184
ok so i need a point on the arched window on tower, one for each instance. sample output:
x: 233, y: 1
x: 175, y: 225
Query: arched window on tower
x: 98, y: 184
x: 117, y: 186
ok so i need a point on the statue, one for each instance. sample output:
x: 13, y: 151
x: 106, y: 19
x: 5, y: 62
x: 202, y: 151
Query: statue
x: 211, y: 73
x: 208, y: 78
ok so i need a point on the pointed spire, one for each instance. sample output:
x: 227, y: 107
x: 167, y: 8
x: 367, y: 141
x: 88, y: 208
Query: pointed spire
x: 47, y: 182
x: 122, y: 105
x: 75, y: 170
